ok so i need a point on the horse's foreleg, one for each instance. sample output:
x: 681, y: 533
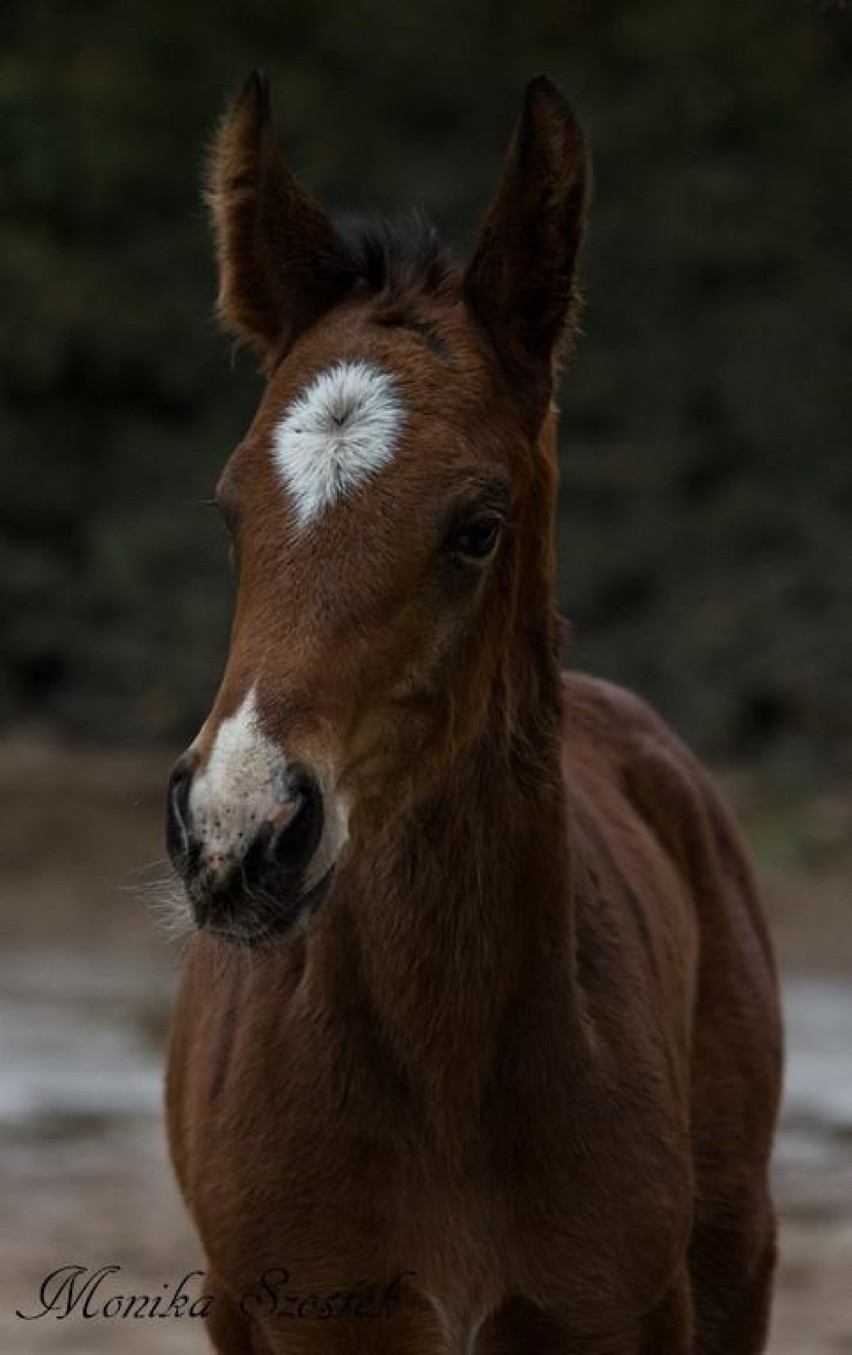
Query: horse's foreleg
x: 669, y: 1329
x: 229, y: 1330
x: 520, y: 1328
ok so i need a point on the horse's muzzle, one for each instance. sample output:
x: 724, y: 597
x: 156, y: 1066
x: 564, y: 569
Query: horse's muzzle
x: 255, y: 885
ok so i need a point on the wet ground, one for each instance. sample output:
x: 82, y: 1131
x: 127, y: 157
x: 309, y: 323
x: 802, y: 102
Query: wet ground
x: 85, y: 981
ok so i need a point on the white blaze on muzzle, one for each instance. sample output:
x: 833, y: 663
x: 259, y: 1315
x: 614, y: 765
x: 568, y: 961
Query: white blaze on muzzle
x: 245, y: 783
x: 240, y: 786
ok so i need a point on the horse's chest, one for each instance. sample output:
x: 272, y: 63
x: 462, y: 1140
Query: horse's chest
x: 285, y: 1181
x: 300, y: 1163
x: 280, y: 1177
x: 334, y: 1197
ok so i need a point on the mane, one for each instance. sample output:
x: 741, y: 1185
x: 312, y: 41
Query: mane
x: 398, y: 258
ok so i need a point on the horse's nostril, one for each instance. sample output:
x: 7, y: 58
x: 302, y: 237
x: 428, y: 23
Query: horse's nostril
x: 179, y: 842
x: 292, y: 845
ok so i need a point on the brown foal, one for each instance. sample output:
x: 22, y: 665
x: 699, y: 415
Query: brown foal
x: 477, y: 1047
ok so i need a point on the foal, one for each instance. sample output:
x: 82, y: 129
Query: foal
x: 477, y: 1047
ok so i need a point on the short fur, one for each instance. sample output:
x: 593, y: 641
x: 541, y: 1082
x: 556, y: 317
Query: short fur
x: 337, y: 433
x: 526, y: 1054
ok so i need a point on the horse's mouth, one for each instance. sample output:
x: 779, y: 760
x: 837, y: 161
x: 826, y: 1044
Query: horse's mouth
x: 249, y: 916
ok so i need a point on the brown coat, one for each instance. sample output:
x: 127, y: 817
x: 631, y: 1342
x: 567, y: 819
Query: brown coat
x: 522, y: 1063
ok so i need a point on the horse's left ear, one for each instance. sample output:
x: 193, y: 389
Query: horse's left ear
x: 521, y: 279
x: 275, y: 244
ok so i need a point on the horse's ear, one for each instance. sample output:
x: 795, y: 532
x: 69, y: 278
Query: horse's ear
x: 275, y: 244
x: 521, y: 279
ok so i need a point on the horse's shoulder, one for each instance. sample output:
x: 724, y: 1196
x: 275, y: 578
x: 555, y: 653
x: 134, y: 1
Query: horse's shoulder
x: 613, y: 736
x: 618, y: 724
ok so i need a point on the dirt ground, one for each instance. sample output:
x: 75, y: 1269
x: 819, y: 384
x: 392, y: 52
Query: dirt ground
x: 85, y: 980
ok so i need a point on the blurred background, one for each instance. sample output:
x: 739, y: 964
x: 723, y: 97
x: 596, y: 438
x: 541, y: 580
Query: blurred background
x: 704, y: 529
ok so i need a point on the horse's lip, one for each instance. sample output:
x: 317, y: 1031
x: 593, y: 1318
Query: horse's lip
x: 265, y: 922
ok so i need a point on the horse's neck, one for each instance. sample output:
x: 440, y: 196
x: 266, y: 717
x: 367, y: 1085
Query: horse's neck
x: 460, y: 910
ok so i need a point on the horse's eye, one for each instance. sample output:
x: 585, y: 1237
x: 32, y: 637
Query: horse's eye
x: 476, y: 540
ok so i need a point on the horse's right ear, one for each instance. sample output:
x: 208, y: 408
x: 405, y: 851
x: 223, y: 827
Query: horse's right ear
x: 522, y: 277
x: 275, y: 244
